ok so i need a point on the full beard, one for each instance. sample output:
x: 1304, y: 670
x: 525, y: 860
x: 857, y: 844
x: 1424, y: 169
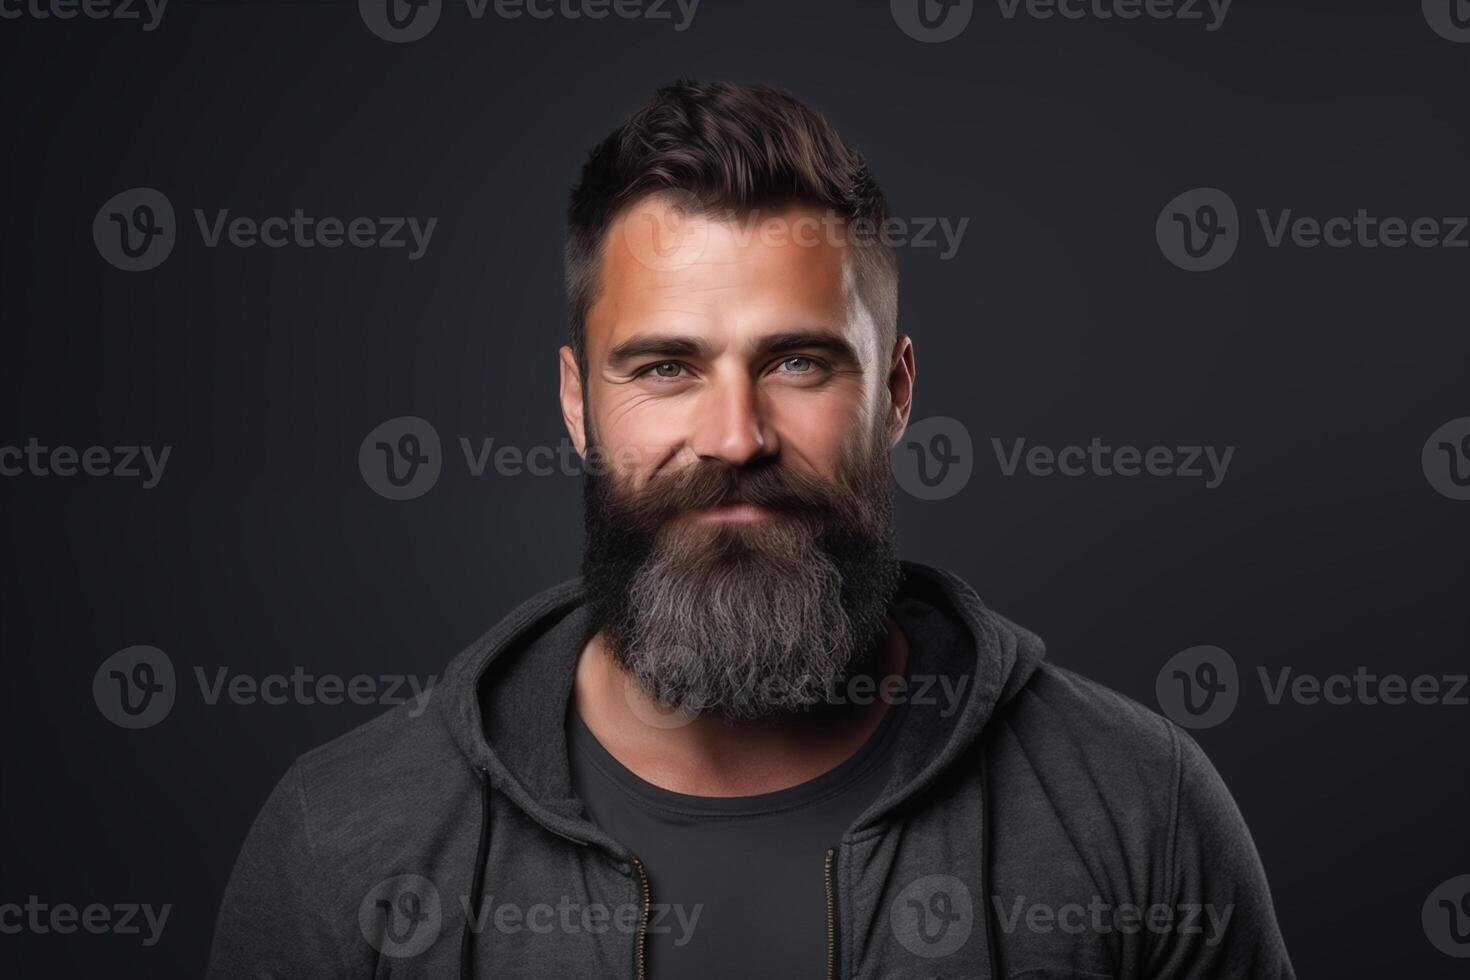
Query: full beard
x: 743, y: 620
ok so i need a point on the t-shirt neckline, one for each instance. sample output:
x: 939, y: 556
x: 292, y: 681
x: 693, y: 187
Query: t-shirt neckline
x: 807, y: 793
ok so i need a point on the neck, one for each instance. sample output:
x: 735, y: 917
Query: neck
x: 707, y: 755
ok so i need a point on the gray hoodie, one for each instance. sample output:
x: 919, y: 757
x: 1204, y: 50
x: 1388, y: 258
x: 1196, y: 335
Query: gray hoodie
x: 1036, y: 824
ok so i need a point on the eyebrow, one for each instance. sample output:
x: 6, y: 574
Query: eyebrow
x: 834, y: 344
x: 669, y: 345
x: 655, y: 345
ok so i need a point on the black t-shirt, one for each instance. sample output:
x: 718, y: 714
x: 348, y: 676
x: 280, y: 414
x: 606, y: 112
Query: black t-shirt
x: 738, y: 884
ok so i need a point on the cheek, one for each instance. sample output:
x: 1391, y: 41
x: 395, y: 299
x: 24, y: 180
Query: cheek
x: 821, y: 432
x: 629, y: 417
x: 637, y: 433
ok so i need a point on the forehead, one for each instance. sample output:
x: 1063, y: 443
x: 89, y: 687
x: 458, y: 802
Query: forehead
x: 737, y: 274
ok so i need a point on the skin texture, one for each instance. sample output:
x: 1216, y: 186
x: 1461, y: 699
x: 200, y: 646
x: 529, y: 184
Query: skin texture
x: 714, y: 340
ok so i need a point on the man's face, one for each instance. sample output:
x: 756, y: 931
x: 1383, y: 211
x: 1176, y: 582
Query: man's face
x: 738, y: 397
x: 730, y: 340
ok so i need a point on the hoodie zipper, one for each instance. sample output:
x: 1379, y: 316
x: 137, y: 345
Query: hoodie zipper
x: 831, y: 913
x: 643, y: 919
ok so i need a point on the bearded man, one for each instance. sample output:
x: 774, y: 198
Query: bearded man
x: 750, y: 741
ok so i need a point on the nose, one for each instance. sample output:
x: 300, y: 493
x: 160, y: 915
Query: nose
x: 732, y: 426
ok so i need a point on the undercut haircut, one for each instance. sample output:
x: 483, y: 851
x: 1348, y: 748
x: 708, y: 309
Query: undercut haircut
x: 731, y: 150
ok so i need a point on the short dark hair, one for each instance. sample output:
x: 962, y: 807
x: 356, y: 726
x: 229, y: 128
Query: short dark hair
x: 733, y: 149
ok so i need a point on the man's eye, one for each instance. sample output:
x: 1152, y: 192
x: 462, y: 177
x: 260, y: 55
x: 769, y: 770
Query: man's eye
x: 665, y: 369
x: 799, y: 365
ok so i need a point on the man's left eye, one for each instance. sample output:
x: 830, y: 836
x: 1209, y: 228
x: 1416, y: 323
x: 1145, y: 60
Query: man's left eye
x: 799, y: 365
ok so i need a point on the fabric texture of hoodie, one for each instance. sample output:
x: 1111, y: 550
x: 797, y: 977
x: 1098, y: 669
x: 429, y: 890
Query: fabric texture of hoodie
x: 1036, y: 824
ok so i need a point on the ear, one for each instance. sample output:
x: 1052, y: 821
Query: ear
x: 900, y: 388
x: 571, y: 400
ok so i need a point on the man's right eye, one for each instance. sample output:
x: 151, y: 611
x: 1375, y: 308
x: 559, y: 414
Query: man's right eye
x: 665, y: 369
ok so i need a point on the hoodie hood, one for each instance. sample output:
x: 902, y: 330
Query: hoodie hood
x: 504, y: 699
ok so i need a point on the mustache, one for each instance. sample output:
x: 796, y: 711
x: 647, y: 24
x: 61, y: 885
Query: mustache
x: 711, y: 483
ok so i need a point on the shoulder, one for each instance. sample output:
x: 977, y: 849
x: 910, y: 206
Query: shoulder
x: 1062, y: 704
x: 1090, y: 741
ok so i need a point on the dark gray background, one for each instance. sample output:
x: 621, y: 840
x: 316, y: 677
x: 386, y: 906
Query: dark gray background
x: 263, y: 549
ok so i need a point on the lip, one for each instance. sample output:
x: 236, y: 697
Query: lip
x: 738, y: 512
